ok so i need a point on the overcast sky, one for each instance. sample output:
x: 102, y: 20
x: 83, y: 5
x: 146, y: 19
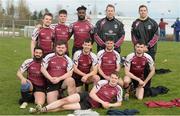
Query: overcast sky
x: 157, y: 8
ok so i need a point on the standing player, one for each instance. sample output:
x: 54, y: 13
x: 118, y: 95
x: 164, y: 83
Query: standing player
x: 106, y: 94
x: 81, y: 29
x: 35, y: 82
x: 85, y: 65
x: 145, y: 29
x: 61, y: 30
x: 57, y: 68
x: 44, y: 36
x: 108, y: 61
x: 135, y: 71
x: 109, y: 27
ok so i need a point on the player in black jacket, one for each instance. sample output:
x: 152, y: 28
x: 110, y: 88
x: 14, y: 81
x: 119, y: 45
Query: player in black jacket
x: 145, y: 29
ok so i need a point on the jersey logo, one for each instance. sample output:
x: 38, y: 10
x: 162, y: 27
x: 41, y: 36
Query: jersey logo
x: 115, y: 26
x: 110, y: 31
x: 149, y: 27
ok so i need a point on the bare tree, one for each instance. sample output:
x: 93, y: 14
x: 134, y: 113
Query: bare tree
x: 10, y: 8
x: 23, y: 11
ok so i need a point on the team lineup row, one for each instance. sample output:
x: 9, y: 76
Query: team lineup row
x: 56, y: 71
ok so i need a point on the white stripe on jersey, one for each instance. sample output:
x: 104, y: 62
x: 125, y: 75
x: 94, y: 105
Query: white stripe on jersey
x: 47, y: 59
x: 35, y: 34
x: 26, y: 65
x: 69, y: 62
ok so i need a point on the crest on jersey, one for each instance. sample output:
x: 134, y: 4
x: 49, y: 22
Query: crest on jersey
x: 149, y: 27
x: 115, y: 26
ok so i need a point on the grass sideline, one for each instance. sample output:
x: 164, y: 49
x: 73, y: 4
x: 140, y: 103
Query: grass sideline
x: 13, y: 51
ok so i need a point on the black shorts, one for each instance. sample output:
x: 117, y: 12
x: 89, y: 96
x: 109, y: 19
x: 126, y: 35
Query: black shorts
x: 53, y: 87
x: 77, y: 79
x: 84, y: 100
x: 136, y: 83
x: 39, y: 88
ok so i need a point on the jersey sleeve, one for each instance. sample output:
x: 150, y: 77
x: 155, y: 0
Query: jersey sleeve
x: 70, y: 63
x: 100, y: 84
x: 119, y: 94
x: 25, y: 65
x: 99, y: 56
x: 118, y: 57
x: 150, y: 60
x: 46, y: 60
x: 128, y: 60
x: 35, y: 34
x: 94, y: 59
x: 76, y: 57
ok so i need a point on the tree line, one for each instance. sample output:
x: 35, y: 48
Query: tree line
x: 20, y: 11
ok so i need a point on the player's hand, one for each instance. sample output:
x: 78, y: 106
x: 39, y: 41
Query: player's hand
x: 141, y: 83
x: 55, y: 80
x: 23, y: 81
x: 84, y: 79
x: 38, y: 26
x: 106, y: 105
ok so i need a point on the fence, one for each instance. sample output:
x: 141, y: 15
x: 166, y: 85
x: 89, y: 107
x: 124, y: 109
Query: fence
x: 24, y: 28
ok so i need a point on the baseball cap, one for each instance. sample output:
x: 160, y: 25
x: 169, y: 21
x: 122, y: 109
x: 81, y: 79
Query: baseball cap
x: 25, y: 87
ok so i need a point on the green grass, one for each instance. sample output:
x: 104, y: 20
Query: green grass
x: 14, y: 51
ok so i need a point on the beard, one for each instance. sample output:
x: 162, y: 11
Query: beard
x: 81, y: 17
x: 38, y: 59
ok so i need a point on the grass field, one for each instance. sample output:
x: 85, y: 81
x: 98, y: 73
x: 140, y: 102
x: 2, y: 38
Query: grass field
x: 14, y: 51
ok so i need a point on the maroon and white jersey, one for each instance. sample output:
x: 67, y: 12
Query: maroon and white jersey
x: 57, y: 65
x: 44, y: 38
x: 33, y: 69
x: 137, y: 64
x: 84, y: 62
x: 61, y: 32
x: 107, y: 93
x: 81, y: 30
x: 108, y: 61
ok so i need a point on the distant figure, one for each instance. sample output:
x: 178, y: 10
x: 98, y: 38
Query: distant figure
x: 176, y: 27
x: 162, y: 27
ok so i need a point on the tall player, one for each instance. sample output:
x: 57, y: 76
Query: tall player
x: 81, y: 29
x: 43, y: 37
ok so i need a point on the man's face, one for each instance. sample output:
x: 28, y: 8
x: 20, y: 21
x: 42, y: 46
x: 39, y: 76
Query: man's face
x: 38, y: 53
x: 81, y: 14
x: 109, y: 45
x: 47, y: 21
x: 61, y: 49
x: 139, y: 48
x: 110, y: 12
x: 113, y: 80
x: 143, y: 12
x: 87, y: 47
x: 62, y: 18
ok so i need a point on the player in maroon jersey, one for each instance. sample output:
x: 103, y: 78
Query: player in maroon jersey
x: 81, y: 29
x: 57, y: 68
x: 135, y: 70
x: 61, y: 30
x: 85, y: 65
x: 44, y: 36
x: 104, y: 94
x: 108, y: 61
x: 35, y: 82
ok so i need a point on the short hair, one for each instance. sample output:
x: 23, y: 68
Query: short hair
x: 109, y: 39
x: 161, y: 19
x: 110, y: 5
x: 141, y: 6
x: 140, y: 43
x: 81, y: 8
x: 115, y: 73
x: 88, y: 40
x: 63, y: 11
x: 60, y: 42
x: 38, y: 48
x: 48, y: 14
